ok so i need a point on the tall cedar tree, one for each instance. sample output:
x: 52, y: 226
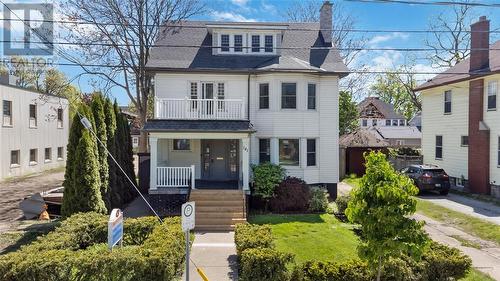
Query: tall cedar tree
x: 74, y: 182
x: 383, y: 205
x: 97, y: 106
x: 87, y: 182
x: 129, y: 160
x: 115, y: 198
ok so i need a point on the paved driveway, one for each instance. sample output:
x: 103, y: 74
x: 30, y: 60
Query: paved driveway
x: 466, y: 205
x: 13, y: 192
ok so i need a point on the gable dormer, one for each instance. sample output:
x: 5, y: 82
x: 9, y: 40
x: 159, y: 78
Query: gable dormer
x: 246, y: 38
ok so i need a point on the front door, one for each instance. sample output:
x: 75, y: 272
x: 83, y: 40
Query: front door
x: 219, y: 160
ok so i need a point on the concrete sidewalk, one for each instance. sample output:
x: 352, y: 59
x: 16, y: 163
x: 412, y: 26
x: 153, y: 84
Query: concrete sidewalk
x: 215, y: 254
x: 486, y: 259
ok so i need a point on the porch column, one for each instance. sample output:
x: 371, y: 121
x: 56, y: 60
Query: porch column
x: 245, y: 162
x: 275, y: 158
x: 153, y: 147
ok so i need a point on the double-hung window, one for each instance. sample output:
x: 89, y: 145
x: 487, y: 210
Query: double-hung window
x: 447, y: 102
x: 268, y: 43
x: 464, y: 140
x: 492, y: 95
x: 311, y: 152
x: 224, y: 43
x: 264, y: 96
x: 238, y: 43
x: 33, y: 156
x: 498, y: 153
x: 7, y: 113
x: 48, y: 154
x: 32, y: 118
x: 394, y: 122
x: 264, y: 150
x: 439, y: 147
x: 311, y: 96
x: 60, y: 152
x: 364, y: 123
x: 220, y: 96
x: 289, y: 152
x: 388, y: 122
x: 14, y: 157
x: 255, y: 43
x: 289, y: 95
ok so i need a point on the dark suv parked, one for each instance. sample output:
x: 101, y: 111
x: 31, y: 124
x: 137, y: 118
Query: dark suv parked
x: 428, y: 178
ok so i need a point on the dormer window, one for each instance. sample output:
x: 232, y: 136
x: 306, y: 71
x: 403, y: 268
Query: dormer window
x: 224, y: 43
x: 255, y: 43
x: 269, y: 43
x: 238, y: 43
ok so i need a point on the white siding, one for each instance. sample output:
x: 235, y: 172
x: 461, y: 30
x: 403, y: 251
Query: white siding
x: 167, y: 157
x: 451, y: 127
x: 492, y: 119
x: 21, y: 137
x: 275, y: 123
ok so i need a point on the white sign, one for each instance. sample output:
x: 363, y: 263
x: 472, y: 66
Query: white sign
x: 188, y: 216
x: 115, y: 228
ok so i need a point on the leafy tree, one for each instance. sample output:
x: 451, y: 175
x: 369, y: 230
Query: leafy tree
x: 97, y: 106
x: 397, y: 89
x: 348, y: 114
x: 382, y: 205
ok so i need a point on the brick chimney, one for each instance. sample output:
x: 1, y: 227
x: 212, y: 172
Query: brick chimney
x: 479, y: 134
x: 325, y: 22
x: 480, y: 44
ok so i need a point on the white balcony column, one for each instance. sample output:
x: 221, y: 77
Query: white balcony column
x: 275, y: 151
x: 153, y: 159
x: 245, y: 162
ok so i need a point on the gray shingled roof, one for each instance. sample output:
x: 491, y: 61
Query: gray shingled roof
x: 191, y: 56
x: 363, y: 137
x: 460, y: 71
x: 198, y: 126
x: 403, y: 132
x: 385, y: 108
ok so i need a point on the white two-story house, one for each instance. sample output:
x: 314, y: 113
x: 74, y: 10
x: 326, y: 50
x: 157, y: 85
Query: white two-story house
x: 230, y: 95
x: 460, y: 117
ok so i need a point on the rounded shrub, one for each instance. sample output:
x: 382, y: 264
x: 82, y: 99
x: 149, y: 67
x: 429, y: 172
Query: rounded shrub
x: 319, y: 200
x: 291, y: 195
x: 264, y: 264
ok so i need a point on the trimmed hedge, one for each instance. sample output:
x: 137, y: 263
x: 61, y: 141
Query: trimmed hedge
x: 258, y: 259
x: 438, y: 263
x: 264, y: 264
x: 77, y: 251
x: 247, y: 236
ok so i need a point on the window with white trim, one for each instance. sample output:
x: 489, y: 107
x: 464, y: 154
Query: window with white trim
x: 311, y: 96
x: 48, y: 154
x: 224, y: 43
x: 394, y: 122
x: 289, y: 95
x: 311, y: 152
x: 33, y: 156
x: 60, y: 118
x: 238, y: 43
x: 439, y: 147
x: 364, y: 123
x: 264, y: 96
x: 255, y: 43
x: 388, y: 122
x: 289, y: 152
x: 464, y: 140
x: 268, y: 43
x: 60, y: 153
x: 402, y: 122
x: 7, y: 113
x: 181, y: 144
x: 264, y: 150
x: 14, y: 157
x: 32, y: 117
x: 492, y: 95
x: 447, y: 102
x: 498, y: 156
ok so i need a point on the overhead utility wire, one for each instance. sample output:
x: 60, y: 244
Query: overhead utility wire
x: 187, y: 26
x: 436, y: 3
x: 242, y: 47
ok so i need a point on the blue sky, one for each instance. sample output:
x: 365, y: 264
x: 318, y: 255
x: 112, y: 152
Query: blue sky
x: 373, y: 16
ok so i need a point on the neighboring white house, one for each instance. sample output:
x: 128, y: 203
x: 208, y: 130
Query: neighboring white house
x: 387, y: 123
x: 33, y: 131
x: 240, y: 94
x: 461, y: 118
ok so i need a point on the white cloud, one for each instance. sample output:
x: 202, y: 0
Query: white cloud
x: 240, y: 2
x: 270, y: 8
x: 387, y: 60
x: 388, y: 37
x: 228, y: 16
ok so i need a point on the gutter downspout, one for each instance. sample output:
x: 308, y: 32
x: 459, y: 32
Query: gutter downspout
x: 248, y: 97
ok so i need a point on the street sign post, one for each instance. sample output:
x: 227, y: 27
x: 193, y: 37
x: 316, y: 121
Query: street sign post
x: 115, y: 228
x: 188, y: 224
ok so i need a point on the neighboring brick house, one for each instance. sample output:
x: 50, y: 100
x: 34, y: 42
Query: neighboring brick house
x: 386, y: 122
x: 460, y: 116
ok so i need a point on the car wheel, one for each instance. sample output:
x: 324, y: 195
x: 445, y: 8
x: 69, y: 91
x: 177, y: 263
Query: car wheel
x: 443, y: 192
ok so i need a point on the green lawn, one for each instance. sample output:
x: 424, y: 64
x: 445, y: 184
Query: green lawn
x: 476, y: 275
x: 474, y: 226
x: 311, y: 236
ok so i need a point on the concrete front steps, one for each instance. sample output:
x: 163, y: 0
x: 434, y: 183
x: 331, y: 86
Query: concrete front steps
x: 218, y: 209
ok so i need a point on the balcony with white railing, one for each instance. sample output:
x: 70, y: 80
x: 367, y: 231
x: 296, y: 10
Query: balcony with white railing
x: 200, y: 109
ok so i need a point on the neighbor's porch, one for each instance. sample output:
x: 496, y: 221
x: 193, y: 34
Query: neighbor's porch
x: 183, y: 161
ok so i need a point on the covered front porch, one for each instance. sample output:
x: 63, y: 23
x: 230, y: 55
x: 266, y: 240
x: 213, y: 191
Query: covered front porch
x: 181, y: 161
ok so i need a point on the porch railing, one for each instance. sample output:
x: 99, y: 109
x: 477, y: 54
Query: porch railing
x: 175, y: 177
x: 201, y: 109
